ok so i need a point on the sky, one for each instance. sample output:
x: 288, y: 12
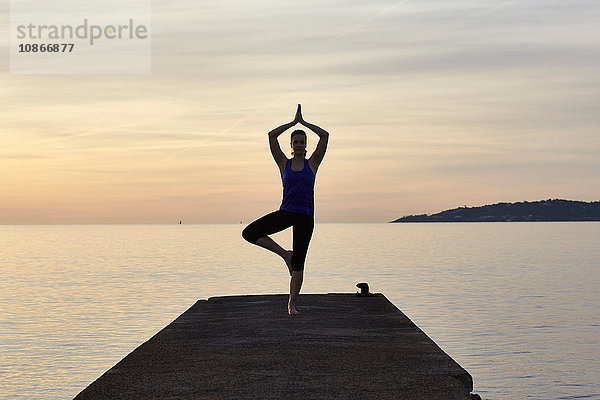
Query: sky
x: 430, y: 105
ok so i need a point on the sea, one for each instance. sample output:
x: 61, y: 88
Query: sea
x: 515, y: 304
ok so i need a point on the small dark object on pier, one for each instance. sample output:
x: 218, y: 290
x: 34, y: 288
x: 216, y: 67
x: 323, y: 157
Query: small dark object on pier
x: 364, y: 290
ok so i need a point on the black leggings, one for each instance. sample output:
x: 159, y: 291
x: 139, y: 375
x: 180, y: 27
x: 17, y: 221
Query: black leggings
x: 279, y: 220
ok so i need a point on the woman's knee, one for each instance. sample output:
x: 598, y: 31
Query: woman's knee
x: 298, y: 260
x: 249, y: 235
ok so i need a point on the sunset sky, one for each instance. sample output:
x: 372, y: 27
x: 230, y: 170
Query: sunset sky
x: 430, y: 105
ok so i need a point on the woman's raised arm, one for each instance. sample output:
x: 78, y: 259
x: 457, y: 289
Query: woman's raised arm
x: 317, y: 156
x: 278, y: 155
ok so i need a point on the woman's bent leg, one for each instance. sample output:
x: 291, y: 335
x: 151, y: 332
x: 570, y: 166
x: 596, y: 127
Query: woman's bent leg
x: 257, y: 233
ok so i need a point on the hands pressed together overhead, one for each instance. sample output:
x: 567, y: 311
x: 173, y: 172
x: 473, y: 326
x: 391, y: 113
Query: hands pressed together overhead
x: 298, y: 117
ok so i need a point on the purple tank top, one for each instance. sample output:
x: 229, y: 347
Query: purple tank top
x: 298, y: 189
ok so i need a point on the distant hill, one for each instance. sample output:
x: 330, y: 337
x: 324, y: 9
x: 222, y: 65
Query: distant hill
x: 545, y: 210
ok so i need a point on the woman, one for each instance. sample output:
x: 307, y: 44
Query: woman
x: 297, y: 206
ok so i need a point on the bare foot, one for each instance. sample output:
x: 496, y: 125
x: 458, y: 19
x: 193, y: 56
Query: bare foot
x: 288, y: 260
x: 292, y: 310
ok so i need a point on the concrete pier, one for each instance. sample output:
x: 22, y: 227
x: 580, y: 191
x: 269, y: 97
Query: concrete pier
x: 242, y: 347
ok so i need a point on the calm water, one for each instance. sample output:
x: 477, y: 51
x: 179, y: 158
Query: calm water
x: 516, y: 304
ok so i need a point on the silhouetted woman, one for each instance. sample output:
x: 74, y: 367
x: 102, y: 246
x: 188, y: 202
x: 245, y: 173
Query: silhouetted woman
x: 297, y: 206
